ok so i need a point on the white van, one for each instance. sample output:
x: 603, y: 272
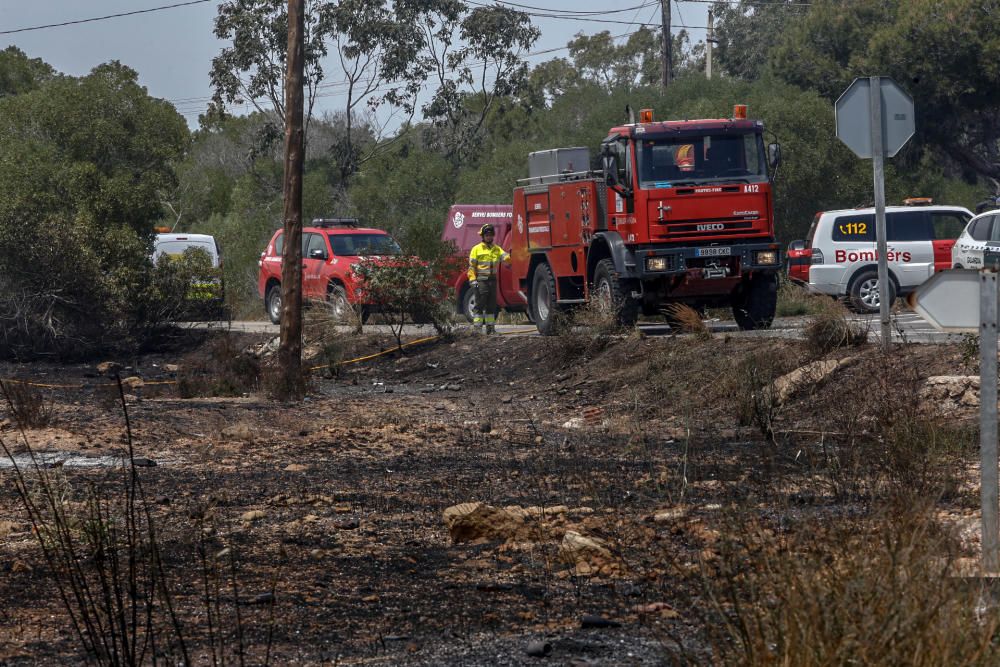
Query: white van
x: 207, y: 294
x: 176, y: 244
x: 844, y: 260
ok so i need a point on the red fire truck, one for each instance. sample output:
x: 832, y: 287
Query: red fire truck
x: 681, y: 212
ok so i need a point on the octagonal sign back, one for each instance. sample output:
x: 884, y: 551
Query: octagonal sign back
x: 854, y: 122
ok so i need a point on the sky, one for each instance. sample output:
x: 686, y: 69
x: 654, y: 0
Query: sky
x: 172, y: 48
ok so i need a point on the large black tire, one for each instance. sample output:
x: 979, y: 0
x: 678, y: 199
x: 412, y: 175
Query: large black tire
x: 864, y: 294
x: 613, y: 295
x: 755, y: 306
x: 272, y: 303
x: 542, y: 303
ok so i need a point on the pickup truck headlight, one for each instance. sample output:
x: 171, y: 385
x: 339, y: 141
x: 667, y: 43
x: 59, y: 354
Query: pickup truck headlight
x: 765, y: 257
x: 656, y: 263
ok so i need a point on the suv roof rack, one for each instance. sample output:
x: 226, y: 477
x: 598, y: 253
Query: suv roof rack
x: 335, y: 222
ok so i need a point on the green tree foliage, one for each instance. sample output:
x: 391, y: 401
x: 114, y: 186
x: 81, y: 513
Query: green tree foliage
x: 19, y: 74
x: 943, y: 52
x: 406, y: 192
x: 408, y: 289
x: 747, y: 33
x: 475, y: 78
x: 252, y: 69
x: 82, y: 164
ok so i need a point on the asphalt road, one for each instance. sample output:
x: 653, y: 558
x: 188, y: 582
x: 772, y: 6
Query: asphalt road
x: 907, y: 327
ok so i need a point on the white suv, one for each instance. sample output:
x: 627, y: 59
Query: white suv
x: 982, y: 231
x: 844, y: 259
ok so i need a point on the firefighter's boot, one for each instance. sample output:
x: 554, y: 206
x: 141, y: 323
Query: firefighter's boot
x: 490, y: 329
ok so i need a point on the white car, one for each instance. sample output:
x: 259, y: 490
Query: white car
x: 983, y: 230
x: 844, y: 260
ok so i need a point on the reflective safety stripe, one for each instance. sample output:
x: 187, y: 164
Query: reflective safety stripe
x: 477, y: 320
x: 491, y: 319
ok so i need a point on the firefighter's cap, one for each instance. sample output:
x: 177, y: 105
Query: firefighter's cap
x: 486, y: 229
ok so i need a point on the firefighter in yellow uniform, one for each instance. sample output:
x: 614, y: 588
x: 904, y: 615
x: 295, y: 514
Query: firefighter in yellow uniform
x: 484, y: 266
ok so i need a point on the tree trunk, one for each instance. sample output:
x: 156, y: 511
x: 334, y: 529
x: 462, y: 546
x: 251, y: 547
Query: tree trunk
x: 291, y: 385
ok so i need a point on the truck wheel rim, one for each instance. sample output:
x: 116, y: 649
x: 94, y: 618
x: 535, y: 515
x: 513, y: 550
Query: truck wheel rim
x: 338, y: 306
x: 542, y: 305
x: 869, y: 294
x: 473, y: 304
x: 603, y: 294
x: 276, y: 306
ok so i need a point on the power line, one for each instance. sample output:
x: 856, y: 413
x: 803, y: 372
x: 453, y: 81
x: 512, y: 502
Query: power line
x: 105, y: 18
x: 753, y: 3
x: 567, y: 11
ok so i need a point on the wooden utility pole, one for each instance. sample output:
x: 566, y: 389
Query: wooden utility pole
x: 709, y: 43
x: 290, y: 349
x: 667, y: 66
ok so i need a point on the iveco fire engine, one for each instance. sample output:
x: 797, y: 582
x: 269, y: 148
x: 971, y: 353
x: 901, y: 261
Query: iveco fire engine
x: 680, y: 212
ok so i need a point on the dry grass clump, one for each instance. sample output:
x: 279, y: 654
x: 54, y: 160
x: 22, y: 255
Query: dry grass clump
x: 830, y: 329
x: 584, y: 332
x: 876, y: 592
x: 795, y: 300
x: 27, y: 404
x: 879, y: 439
x: 221, y: 367
x: 686, y: 319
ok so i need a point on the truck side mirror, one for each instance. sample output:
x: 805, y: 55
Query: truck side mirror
x: 774, y: 155
x: 610, y: 170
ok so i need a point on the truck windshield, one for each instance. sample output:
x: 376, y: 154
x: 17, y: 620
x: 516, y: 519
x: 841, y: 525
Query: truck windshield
x: 667, y: 161
x: 352, y: 245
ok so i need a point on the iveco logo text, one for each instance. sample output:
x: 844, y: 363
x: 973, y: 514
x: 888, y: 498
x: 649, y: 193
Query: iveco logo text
x: 715, y: 226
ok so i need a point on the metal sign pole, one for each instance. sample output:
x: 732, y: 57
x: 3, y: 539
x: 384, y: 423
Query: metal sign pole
x: 988, y: 489
x: 878, y: 164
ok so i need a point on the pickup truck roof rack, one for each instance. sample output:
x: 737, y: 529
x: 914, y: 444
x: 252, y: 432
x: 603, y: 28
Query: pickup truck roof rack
x: 335, y: 222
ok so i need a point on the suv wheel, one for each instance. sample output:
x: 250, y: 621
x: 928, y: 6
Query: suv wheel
x: 864, y: 296
x: 273, y: 304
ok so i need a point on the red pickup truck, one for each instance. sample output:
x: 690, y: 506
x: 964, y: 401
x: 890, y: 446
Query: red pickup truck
x: 461, y: 227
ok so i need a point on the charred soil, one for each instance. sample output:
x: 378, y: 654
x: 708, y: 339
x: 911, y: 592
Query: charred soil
x: 614, y: 473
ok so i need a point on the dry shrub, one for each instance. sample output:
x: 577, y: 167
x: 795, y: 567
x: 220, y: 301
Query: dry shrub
x: 754, y: 391
x: 221, y: 367
x: 882, y: 440
x: 795, y: 300
x: 584, y: 332
x: 687, y: 319
x: 830, y: 329
x: 879, y: 592
x: 27, y: 404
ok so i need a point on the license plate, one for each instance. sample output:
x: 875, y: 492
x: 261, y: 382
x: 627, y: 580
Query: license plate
x: 714, y: 252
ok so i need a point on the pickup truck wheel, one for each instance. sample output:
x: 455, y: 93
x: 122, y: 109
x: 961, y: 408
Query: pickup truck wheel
x: 543, y: 304
x: 612, y: 295
x: 272, y: 303
x: 469, y: 299
x: 864, y: 295
x: 340, y: 307
x: 755, y: 307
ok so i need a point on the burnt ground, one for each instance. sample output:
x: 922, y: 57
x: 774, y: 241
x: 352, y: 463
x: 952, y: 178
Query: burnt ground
x: 335, y: 503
